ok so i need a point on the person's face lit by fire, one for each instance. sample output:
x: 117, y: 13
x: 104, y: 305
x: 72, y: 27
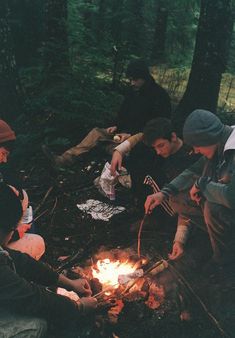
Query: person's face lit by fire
x: 4, y: 153
x: 207, y: 151
x: 164, y: 147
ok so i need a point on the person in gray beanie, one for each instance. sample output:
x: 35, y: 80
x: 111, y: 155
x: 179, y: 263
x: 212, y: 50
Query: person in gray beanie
x: 210, y: 183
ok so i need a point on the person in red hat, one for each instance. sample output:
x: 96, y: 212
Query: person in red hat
x: 7, y: 140
x: 31, y: 244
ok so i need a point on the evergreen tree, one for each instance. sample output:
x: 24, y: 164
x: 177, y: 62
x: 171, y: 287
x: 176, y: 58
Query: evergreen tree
x: 209, y: 60
x: 56, y: 47
x: 10, y: 100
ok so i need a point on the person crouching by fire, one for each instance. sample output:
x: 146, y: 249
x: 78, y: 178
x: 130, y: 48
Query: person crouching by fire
x: 27, y: 306
x: 211, y: 185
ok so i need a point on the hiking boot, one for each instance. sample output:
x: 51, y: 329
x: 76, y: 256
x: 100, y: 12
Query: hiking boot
x: 55, y: 161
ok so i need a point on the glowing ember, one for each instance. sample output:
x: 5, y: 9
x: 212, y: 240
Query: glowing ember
x: 107, y: 272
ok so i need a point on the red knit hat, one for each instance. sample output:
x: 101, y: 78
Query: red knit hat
x: 6, y: 133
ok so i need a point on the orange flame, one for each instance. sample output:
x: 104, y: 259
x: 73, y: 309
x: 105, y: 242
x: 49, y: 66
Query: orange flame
x: 107, y: 272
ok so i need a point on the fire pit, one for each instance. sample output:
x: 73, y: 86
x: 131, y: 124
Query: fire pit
x: 120, y: 276
x: 131, y: 300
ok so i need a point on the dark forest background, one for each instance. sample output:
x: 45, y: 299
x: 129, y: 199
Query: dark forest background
x: 62, y: 62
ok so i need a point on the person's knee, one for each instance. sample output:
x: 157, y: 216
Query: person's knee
x: 39, y: 327
x: 21, y: 326
x: 39, y: 246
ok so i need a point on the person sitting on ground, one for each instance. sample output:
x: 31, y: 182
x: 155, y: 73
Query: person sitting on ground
x: 30, y: 243
x: 165, y: 158
x: 145, y: 100
x: 210, y: 183
x: 27, y: 306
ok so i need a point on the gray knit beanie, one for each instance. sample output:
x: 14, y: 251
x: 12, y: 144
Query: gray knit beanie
x: 202, y: 128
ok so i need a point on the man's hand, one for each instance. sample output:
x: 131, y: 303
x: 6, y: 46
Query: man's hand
x: 123, y: 137
x: 177, y: 251
x: 195, y: 194
x: 152, y: 201
x: 81, y: 287
x: 116, y: 162
x: 87, y: 304
x: 111, y: 130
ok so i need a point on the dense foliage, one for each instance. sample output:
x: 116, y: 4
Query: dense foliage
x: 69, y: 73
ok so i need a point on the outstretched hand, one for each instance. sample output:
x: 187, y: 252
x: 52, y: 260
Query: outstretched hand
x: 177, y: 251
x: 152, y: 201
x: 116, y: 162
x: 81, y: 287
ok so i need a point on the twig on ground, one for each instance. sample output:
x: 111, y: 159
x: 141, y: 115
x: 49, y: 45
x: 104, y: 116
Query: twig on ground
x: 40, y: 215
x: 54, y: 206
x: 43, y: 200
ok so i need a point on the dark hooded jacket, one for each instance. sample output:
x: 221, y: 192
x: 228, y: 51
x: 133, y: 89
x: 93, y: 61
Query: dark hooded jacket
x: 23, y: 289
x: 140, y: 106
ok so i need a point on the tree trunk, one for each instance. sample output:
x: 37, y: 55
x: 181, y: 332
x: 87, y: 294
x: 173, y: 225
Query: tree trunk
x: 27, y: 29
x: 158, y: 53
x: 10, y: 104
x: 209, y: 60
x: 56, y: 50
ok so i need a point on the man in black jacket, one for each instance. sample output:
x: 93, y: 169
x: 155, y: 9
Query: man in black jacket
x: 144, y: 101
x: 26, y: 304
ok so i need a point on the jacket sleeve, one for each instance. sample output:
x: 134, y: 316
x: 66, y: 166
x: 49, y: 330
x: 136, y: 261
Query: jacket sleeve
x: 129, y: 144
x: 20, y: 296
x: 222, y: 192
x: 33, y: 270
x: 186, y: 179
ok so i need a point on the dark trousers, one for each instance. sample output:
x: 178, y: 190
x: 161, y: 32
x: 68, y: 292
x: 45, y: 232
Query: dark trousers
x: 217, y: 220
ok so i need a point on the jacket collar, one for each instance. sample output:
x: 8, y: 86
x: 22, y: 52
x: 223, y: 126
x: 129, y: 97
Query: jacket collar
x: 230, y: 140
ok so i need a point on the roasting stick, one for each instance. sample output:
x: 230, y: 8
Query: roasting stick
x: 163, y: 261
x: 105, y: 290
x: 139, y: 233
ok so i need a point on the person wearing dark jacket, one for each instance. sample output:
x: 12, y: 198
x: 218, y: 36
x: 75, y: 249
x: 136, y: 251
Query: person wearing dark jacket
x: 144, y: 101
x: 26, y: 304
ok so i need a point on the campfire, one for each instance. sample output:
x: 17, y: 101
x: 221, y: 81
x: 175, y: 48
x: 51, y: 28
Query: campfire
x: 114, y: 273
x: 121, y: 276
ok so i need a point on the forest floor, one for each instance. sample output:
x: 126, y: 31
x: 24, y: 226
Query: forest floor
x: 67, y: 230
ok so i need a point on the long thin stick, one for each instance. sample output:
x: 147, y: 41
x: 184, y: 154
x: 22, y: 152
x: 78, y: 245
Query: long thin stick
x: 139, y: 234
x: 43, y: 200
x: 144, y: 274
x: 105, y: 290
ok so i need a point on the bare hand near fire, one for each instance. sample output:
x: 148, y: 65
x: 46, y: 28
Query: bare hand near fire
x: 87, y: 304
x: 116, y: 162
x: 81, y: 286
x: 177, y: 251
x: 195, y: 194
x: 152, y: 201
